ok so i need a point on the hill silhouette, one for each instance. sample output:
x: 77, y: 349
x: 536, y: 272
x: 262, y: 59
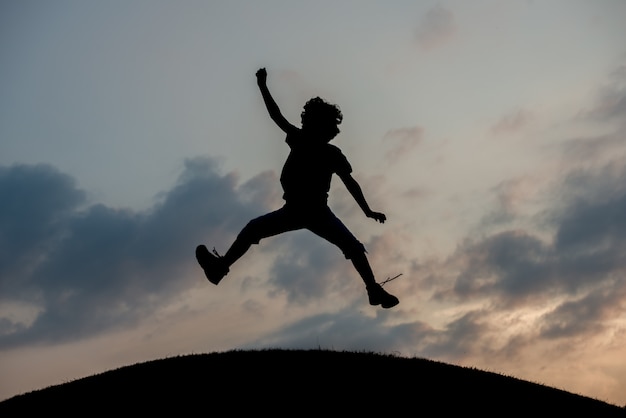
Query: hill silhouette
x: 300, y: 383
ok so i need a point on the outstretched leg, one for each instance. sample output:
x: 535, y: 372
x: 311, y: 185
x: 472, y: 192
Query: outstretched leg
x: 236, y: 250
x: 265, y: 226
x: 216, y: 267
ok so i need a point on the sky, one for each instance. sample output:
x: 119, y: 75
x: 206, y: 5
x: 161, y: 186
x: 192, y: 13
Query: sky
x: 491, y: 134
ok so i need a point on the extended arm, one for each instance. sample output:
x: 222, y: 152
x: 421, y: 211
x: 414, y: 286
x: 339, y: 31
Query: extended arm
x: 355, y: 190
x: 270, y: 104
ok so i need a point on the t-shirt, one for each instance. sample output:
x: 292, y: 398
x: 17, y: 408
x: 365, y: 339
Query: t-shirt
x: 309, y: 167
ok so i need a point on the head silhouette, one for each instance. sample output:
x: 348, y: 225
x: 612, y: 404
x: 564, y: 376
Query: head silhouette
x: 321, y: 119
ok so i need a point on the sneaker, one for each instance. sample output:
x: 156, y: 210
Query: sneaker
x: 379, y: 296
x: 212, y: 264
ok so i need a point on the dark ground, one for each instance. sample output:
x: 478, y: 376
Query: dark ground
x: 300, y: 383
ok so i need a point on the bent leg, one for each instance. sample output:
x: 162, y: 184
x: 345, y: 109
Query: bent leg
x: 328, y: 226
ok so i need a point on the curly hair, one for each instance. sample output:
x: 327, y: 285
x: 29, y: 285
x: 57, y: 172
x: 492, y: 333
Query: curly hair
x: 321, y: 115
x: 320, y: 108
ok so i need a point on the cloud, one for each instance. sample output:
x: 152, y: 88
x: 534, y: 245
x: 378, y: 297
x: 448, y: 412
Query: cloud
x: 35, y: 201
x: 402, y: 141
x: 462, y: 336
x: 517, y: 265
x: 611, y: 99
x: 348, y: 329
x: 511, y: 195
x: 577, y: 243
x: 512, y: 123
x: 607, y: 114
x: 262, y: 190
x: 511, y: 265
x: 309, y: 268
x: 593, y: 227
x: 586, y: 150
x: 588, y: 314
x: 547, y: 284
x: 86, y: 269
x: 344, y: 330
x: 576, y: 262
x: 435, y: 28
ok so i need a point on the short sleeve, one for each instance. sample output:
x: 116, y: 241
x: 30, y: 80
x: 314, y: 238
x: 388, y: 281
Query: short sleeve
x: 341, y: 165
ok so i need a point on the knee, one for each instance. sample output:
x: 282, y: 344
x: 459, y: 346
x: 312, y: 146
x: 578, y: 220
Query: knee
x: 354, y: 250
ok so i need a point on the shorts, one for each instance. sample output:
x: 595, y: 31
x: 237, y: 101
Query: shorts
x: 318, y: 219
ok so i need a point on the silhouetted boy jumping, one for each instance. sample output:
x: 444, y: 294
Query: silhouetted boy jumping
x: 305, y: 180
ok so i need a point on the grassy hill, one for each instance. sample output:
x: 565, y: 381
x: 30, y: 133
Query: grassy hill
x: 300, y: 383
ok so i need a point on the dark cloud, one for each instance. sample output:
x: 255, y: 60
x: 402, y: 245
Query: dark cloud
x: 36, y: 202
x: 510, y: 264
x: 517, y: 265
x: 458, y: 339
x: 91, y: 268
x: 585, y: 315
x: 581, y: 266
x: 594, y: 228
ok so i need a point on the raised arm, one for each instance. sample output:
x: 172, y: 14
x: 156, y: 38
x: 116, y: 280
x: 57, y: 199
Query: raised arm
x: 355, y: 190
x: 270, y: 104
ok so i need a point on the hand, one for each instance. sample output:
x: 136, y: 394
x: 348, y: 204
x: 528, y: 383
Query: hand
x: 380, y: 217
x: 261, y: 76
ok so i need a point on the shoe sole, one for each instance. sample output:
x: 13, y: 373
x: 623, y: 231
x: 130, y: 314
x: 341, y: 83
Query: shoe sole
x: 386, y: 305
x: 390, y: 305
